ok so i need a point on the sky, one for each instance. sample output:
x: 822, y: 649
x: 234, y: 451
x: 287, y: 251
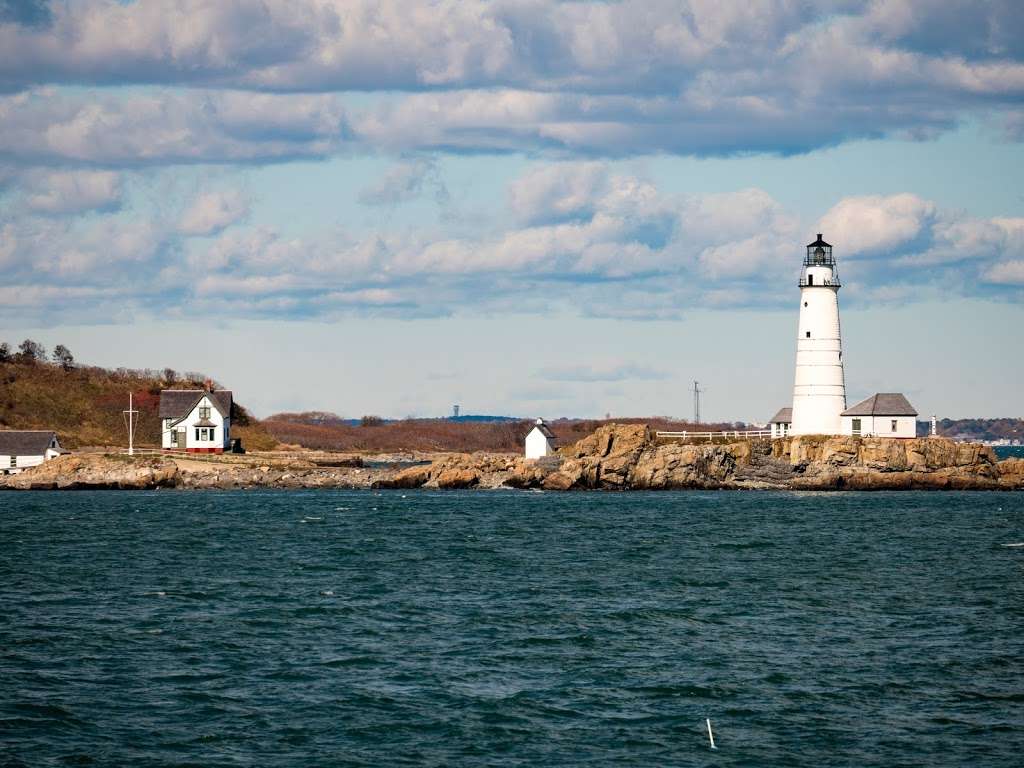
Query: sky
x: 526, y: 207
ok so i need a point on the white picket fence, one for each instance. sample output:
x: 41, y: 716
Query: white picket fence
x: 737, y: 433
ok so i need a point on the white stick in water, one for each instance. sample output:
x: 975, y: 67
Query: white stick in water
x: 711, y: 736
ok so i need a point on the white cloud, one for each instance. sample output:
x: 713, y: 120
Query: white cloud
x: 403, y: 182
x: 584, y: 239
x: 211, y: 212
x: 70, y: 192
x: 558, y: 192
x: 1006, y: 273
x: 623, y: 78
x: 878, y: 225
x: 606, y: 371
x: 44, y: 126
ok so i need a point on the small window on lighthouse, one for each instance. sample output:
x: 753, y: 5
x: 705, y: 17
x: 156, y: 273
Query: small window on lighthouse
x: 805, y: 303
x: 810, y: 279
x: 808, y: 334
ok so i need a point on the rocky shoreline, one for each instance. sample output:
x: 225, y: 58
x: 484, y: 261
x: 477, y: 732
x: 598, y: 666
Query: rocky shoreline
x: 615, y: 457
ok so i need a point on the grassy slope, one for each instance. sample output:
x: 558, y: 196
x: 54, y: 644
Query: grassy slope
x: 84, y: 405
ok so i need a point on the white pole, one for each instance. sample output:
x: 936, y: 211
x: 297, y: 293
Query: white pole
x: 131, y: 444
x: 130, y: 420
x: 711, y: 736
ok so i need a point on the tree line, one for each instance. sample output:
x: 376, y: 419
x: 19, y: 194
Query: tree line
x: 31, y: 352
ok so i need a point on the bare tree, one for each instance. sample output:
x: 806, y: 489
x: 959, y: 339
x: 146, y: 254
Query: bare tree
x: 62, y: 356
x: 5, y: 352
x: 31, y: 351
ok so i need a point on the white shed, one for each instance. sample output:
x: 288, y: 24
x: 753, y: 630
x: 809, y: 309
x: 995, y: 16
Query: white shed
x: 885, y: 414
x: 195, y: 420
x: 781, y: 422
x: 20, y: 449
x: 540, y: 441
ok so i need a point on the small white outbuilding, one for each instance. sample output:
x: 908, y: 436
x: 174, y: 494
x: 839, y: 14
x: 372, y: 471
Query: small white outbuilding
x: 884, y: 414
x: 21, y: 449
x: 781, y: 423
x: 540, y: 442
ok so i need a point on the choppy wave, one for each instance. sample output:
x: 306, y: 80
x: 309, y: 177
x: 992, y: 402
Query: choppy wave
x: 466, y: 629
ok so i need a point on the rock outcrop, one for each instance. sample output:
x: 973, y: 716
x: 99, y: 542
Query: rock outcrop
x: 99, y: 473
x: 615, y: 457
x: 627, y: 456
x: 1011, y: 473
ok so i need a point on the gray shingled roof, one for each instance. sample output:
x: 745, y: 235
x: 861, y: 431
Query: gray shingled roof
x: 882, y: 404
x: 177, y: 403
x: 25, y: 442
x: 784, y: 416
x: 544, y: 429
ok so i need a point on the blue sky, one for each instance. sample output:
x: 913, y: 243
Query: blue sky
x: 524, y: 206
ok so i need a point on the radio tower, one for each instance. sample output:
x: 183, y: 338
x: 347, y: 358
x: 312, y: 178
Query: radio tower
x: 696, y: 402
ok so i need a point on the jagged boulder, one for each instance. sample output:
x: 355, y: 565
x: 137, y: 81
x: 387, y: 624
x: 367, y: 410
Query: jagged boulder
x: 411, y: 477
x: 1011, y: 473
x: 457, y: 477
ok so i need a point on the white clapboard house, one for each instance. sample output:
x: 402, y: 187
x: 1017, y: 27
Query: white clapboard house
x: 20, y: 449
x: 540, y: 441
x: 195, y: 420
x: 884, y: 414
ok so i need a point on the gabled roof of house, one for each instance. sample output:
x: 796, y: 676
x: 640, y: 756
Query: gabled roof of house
x: 544, y: 430
x: 882, y: 404
x: 32, y: 442
x: 178, y: 403
x: 784, y: 416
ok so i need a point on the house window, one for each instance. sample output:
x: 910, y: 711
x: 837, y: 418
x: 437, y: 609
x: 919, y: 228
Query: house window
x: 894, y: 425
x: 204, y: 433
x: 204, y: 412
x: 174, y: 437
x: 14, y: 461
x: 856, y: 426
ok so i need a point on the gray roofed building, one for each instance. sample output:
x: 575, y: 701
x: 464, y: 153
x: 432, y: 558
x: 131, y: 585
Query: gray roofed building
x: 784, y: 416
x: 28, y: 442
x: 178, y: 403
x: 882, y: 404
x: 544, y: 429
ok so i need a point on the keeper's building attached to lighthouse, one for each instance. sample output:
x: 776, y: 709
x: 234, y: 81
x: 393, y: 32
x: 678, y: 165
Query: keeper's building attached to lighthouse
x: 819, y: 390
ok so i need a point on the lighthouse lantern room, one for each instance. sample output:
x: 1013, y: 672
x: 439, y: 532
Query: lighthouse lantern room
x: 819, y: 389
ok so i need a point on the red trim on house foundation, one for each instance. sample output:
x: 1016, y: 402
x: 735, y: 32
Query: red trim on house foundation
x: 204, y: 450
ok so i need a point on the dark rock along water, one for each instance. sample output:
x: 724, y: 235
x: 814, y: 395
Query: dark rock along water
x: 506, y: 628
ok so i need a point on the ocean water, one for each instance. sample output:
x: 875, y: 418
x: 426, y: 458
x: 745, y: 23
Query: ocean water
x: 1009, y: 451
x: 511, y: 629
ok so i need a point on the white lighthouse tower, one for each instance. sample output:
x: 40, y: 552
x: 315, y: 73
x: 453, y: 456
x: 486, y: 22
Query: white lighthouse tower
x: 819, y: 390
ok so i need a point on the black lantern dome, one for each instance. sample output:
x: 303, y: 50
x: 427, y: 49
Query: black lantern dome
x: 819, y: 254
